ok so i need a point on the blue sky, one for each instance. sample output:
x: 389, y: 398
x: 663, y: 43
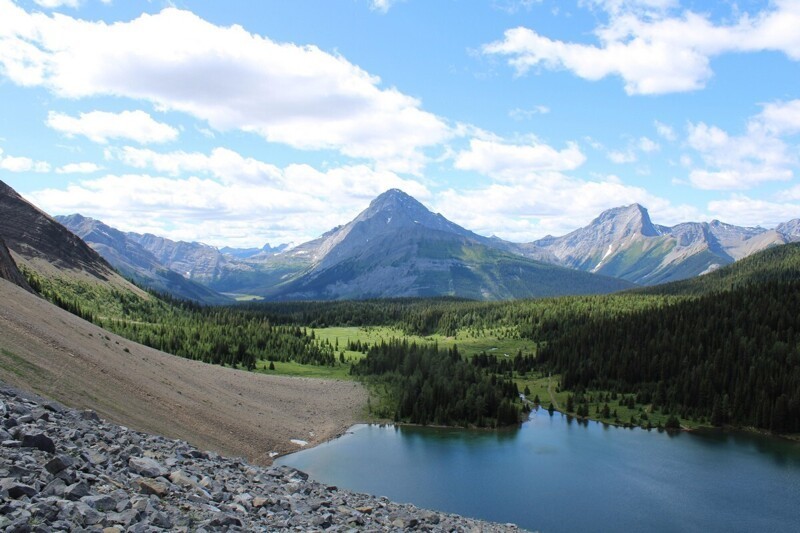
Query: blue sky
x: 240, y: 123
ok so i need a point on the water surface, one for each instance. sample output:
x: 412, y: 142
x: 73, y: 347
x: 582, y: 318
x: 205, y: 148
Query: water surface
x: 556, y: 474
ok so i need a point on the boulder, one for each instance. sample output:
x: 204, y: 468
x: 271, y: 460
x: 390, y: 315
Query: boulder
x: 146, y: 467
x: 40, y: 441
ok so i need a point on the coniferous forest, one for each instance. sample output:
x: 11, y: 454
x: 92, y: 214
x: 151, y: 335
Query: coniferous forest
x: 722, y: 348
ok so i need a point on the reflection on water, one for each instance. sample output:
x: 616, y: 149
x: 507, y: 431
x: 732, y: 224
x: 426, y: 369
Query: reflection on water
x: 560, y: 474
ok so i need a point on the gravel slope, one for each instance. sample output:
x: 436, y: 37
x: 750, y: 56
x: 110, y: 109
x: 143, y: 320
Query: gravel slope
x: 53, y: 353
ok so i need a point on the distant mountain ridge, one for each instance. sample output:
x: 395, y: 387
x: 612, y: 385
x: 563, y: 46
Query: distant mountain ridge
x: 623, y: 242
x: 397, y: 247
x: 137, y: 263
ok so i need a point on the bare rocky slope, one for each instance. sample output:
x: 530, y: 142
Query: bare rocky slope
x: 9, y: 270
x: 66, y: 470
x: 58, y: 355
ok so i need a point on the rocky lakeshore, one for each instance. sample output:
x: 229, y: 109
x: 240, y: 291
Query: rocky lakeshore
x: 68, y: 470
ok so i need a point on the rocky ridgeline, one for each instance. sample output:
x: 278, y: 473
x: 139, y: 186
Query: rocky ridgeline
x: 67, y: 470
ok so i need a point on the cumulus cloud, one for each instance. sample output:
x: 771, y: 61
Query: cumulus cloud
x: 753, y: 211
x: 224, y: 198
x: 621, y: 157
x: 665, y: 131
x: 22, y: 164
x: 778, y: 118
x: 79, y: 168
x: 744, y: 161
x: 653, y: 51
x: 53, y: 4
x: 232, y: 79
x: 513, y: 162
x: 551, y: 204
x: 102, y: 126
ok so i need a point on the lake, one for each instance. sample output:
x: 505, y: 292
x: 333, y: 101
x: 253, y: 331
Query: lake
x: 556, y: 474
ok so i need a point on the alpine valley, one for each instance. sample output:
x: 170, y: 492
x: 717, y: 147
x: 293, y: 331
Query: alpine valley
x: 397, y: 247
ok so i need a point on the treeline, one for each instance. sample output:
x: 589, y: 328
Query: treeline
x: 433, y: 386
x: 218, y: 335
x: 730, y: 357
x: 449, y: 316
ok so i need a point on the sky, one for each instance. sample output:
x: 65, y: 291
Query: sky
x: 241, y: 123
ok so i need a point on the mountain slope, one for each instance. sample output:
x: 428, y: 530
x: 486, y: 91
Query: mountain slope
x: 9, y: 270
x: 39, y: 240
x: 775, y: 264
x: 624, y: 243
x: 133, y: 261
x: 397, y: 247
x: 54, y: 353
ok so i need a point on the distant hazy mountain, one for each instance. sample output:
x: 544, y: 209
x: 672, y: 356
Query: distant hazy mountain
x: 624, y: 243
x: 133, y: 261
x: 397, y: 247
x: 779, y: 264
x: 247, y: 253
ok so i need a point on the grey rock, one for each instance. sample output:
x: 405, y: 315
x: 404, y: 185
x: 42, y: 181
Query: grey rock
x: 102, y: 502
x: 90, y: 415
x: 144, y: 466
x: 99, y: 482
x: 59, y: 463
x: 76, y: 491
x: 40, y: 441
x: 151, y: 486
x: 15, y: 489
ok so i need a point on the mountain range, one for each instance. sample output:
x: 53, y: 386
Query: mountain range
x: 396, y: 247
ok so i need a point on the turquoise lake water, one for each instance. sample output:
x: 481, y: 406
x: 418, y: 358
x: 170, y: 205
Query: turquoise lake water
x: 558, y: 474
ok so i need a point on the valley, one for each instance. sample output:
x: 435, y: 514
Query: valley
x: 713, y: 353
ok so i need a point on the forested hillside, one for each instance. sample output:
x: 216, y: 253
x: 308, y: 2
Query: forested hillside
x: 721, y: 349
x: 731, y: 357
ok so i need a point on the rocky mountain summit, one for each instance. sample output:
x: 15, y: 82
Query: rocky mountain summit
x: 624, y: 243
x: 67, y: 470
x: 397, y: 247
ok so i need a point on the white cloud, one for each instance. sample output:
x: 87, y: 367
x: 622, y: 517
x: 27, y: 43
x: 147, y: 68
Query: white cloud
x: 52, y: 4
x: 233, y: 201
x: 382, y: 6
x: 749, y: 211
x: 779, y: 118
x: 232, y: 79
x: 513, y: 162
x: 739, y: 162
x: 514, y: 6
x: 525, y: 114
x: 621, y: 157
x: 648, y: 145
x: 665, y: 131
x: 222, y: 163
x: 552, y: 204
x: 22, y: 164
x: 78, y: 168
x: 652, y: 51
x: 102, y: 126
